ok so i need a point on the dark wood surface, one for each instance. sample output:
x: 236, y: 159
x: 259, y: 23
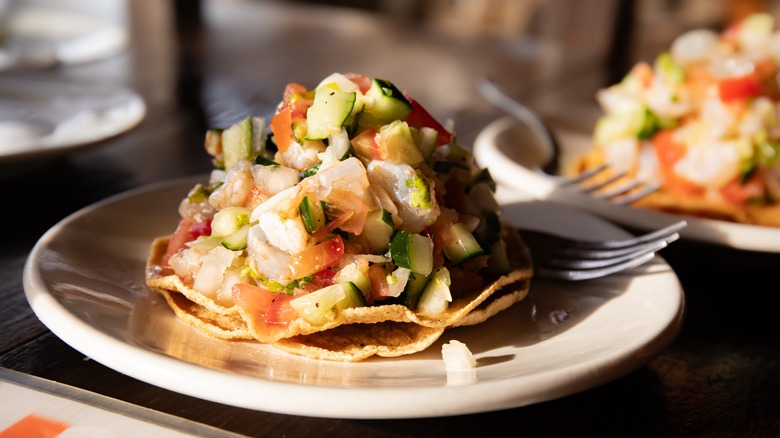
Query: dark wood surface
x: 721, y: 377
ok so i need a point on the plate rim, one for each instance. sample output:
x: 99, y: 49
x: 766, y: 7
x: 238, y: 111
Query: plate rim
x: 167, y: 371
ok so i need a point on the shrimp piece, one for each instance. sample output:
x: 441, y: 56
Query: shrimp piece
x: 301, y: 156
x: 711, y: 164
x: 289, y: 235
x: 411, y: 191
x: 235, y: 189
x: 266, y: 259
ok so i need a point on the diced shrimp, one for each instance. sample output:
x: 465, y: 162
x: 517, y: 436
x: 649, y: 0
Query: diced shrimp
x: 711, y: 164
x: 301, y: 157
x: 289, y: 235
x: 212, y: 270
x: 694, y: 46
x: 408, y: 188
x: 235, y: 188
x: 271, y: 180
x: 266, y: 259
x: 666, y: 100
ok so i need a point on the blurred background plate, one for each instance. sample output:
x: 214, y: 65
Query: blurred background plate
x: 515, y: 152
x: 41, y: 119
x: 40, y: 35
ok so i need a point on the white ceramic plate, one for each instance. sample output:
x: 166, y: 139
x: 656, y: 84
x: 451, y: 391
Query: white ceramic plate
x: 37, y: 37
x: 41, y: 118
x: 85, y: 281
x: 513, y: 152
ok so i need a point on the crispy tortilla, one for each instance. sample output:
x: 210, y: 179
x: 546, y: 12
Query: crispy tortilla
x: 355, y: 333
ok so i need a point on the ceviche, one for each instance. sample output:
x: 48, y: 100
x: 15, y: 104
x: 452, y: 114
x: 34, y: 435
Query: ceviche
x: 350, y: 224
x: 703, y: 121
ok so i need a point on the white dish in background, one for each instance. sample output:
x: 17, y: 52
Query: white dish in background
x: 514, y: 152
x: 42, y: 118
x: 42, y: 37
x: 85, y: 281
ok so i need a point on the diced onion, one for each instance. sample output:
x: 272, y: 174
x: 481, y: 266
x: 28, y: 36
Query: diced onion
x: 457, y: 356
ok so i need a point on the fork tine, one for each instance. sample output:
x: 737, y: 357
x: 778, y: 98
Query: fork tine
x: 627, y: 193
x: 622, y: 243
x: 586, y: 175
x: 601, y: 184
x: 639, y: 194
x: 590, y: 259
x: 562, y: 258
x: 589, y: 274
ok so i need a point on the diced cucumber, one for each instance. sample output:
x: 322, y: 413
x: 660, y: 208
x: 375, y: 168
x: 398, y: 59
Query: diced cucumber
x: 312, y: 214
x: 412, y: 251
x: 464, y: 246
x: 329, y: 112
x: 389, y: 103
x: 325, y: 304
x: 351, y: 273
x: 414, y: 288
x: 228, y: 220
x: 377, y: 230
x: 204, y: 244
x: 237, y: 142
x: 436, y: 296
x: 237, y: 240
x: 396, y: 144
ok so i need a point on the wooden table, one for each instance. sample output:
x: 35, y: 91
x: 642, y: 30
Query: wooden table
x: 721, y: 377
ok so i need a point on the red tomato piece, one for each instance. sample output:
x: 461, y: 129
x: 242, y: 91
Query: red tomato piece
x: 420, y: 117
x: 366, y: 145
x: 739, y: 88
x: 737, y: 192
x: 363, y: 82
x: 179, y: 238
x: 200, y: 229
x: 380, y: 290
x: 281, y: 126
x: 669, y: 152
x: 270, y: 308
x: 316, y: 258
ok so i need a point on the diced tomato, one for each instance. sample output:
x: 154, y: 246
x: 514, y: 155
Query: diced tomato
x: 420, y: 117
x: 281, y: 126
x: 200, y: 229
x: 322, y: 279
x: 290, y: 91
x: 268, y: 308
x: 297, y: 99
x: 185, y: 232
x: 366, y: 144
x: 179, y: 238
x: 380, y: 290
x: 669, y: 152
x: 316, y: 258
x: 439, y: 230
x: 363, y: 82
x: 739, y: 88
x: 737, y: 192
